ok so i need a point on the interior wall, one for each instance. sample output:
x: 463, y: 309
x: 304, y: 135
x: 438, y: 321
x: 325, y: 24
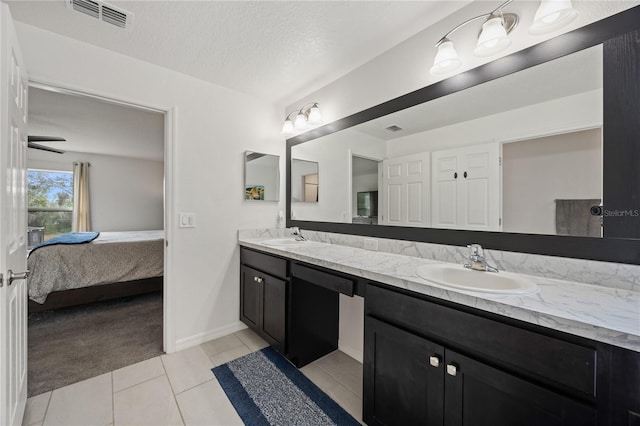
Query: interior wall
x: 126, y: 194
x: 211, y: 137
x: 334, y: 172
x: 538, y: 171
x: 570, y: 113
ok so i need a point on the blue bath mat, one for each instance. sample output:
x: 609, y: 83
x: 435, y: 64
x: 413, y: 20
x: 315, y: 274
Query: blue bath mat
x: 265, y: 389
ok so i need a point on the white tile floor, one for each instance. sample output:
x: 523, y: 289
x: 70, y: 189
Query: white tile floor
x: 180, y: 389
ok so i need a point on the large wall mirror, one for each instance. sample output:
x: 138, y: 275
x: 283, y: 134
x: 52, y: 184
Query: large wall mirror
x: 535, y: 152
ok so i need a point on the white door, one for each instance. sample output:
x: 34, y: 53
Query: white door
x: 406, y: 190
x: 445, y: 178
x: 13, y: 245
x: 466, y: 188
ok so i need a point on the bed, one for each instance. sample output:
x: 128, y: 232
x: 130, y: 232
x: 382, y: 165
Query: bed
x: 116, y: 264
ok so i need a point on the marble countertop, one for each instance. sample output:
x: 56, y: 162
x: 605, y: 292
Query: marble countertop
x: 599, y: 313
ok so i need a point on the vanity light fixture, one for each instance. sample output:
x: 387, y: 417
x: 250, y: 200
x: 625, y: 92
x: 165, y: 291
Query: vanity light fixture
x: 494, y: 35
x: 552, y: 15
x: 493, y: 38
x: 308, y: 114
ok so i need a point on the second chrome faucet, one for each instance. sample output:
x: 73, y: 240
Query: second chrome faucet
x: 477, y: 261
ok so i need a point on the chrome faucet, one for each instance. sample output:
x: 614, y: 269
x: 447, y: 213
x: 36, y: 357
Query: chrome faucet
x: 295, y: 231
x: 477, y: 261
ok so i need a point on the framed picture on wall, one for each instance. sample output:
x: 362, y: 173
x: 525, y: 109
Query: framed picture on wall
x: 254, y: 192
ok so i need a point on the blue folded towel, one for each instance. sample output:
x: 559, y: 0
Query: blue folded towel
x: 68, y: 238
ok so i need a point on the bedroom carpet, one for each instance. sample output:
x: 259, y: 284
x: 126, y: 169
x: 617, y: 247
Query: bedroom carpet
x: 73, y: 344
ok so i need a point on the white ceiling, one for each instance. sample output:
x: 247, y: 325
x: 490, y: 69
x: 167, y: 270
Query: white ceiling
x: 276, y: 50
x: 93, y: 126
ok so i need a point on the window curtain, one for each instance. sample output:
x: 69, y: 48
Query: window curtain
x: 81, y: 214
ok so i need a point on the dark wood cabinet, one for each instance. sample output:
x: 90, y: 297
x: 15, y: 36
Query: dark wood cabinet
x: 263, y: 297
x: 400, y: 384
x: 426, y: 363
x: 478, y: 394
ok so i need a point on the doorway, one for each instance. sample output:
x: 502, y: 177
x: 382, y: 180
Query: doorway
x: 365, y: 183
x: 130, y: 182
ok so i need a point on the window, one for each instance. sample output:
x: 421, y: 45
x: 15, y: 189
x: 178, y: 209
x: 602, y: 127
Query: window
x: 50, y: 195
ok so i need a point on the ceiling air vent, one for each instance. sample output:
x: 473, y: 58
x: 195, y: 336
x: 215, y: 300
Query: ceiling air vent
x: 393, y: 128
x: 103, y: 11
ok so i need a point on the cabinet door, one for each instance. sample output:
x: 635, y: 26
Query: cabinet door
x: 401, y: 386
x: 476, y: 394
x: 274, y: 307
x: 250, y: 297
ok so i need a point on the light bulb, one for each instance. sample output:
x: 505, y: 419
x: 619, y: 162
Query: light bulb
x: 300, y: 122
x: 315, y: 116
x: 552, y: 15
x: 287, y: 127
x: 446, y: 59
x: 492, y: 39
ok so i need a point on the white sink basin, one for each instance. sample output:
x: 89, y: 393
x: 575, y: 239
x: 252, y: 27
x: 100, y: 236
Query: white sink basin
x: 283, y: 242
x: 467, y: 279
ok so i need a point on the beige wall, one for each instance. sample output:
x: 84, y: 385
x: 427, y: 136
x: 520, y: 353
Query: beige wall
x: 538, y: 171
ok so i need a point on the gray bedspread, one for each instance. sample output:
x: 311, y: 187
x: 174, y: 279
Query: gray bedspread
x: 110, y: 258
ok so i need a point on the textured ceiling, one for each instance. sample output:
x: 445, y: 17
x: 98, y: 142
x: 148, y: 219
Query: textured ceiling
x: 276, y: 50
x: 96, y: 127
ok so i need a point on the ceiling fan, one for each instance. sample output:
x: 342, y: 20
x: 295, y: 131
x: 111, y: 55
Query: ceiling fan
x: 31, y: 143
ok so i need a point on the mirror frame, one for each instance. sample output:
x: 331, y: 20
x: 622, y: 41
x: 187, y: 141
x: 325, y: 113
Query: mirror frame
x: 621, y: 154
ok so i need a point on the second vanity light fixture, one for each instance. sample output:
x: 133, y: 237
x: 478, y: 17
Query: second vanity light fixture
x: 494, y: 36
x: 308, y: 114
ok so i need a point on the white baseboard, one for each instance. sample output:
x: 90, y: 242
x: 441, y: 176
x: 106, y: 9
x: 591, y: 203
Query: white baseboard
x: 354, y: 353
x: 196, y: 339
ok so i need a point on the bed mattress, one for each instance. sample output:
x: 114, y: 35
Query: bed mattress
x: 110, y: 258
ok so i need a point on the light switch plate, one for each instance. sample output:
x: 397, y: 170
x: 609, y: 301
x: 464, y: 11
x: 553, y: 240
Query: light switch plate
x: 186, y: 220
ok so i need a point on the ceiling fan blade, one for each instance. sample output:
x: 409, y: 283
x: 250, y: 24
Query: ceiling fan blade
x: 45, y: 139
x: 44, y: 148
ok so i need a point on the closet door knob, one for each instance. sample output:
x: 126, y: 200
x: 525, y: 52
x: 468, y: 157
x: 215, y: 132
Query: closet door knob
x: 455, y: 175
x: 434, y: 361
x: 465, y: 174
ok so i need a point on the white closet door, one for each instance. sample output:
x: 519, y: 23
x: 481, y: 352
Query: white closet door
x: 480, y: 201
x: 444, y: 205
x: 406, y: 190
x: 466, y: 188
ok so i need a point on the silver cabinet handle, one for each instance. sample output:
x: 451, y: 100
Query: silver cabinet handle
x: 452, y: 370
x: 434, y: 361
x: 13, y: 276
x: 257, y: 279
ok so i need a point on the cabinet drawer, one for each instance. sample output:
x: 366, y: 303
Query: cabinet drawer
x: 264, y: 262
x: 323, y: 279
x: 526, y: 352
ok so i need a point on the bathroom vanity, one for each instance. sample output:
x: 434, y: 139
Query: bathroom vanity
x: 435, y: 355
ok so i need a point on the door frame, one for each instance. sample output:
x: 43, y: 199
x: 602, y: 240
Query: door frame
x: 350, y: 154
x: 170, y: 126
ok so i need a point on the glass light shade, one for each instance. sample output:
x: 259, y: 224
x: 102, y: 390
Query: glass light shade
x: 315, y: 116
x: 552, y: 15
x: 300, y: 122
x: 287, y: 127
x: 446, y: 59
x: 492, y: 39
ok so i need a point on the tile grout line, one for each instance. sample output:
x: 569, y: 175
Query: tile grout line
x: 46, y: 410
x: 144, y: 381
x: 338, y: 380
x: 172, y: 392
